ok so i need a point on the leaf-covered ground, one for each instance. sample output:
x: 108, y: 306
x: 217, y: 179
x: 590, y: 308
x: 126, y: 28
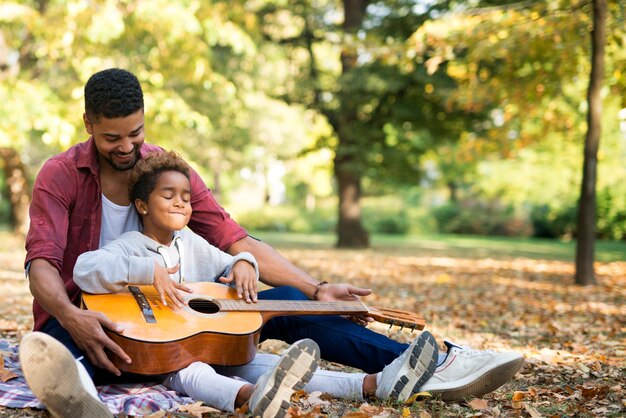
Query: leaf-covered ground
x: 573, y: 338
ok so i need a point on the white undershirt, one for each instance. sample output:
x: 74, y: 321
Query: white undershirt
x: 116, y: 220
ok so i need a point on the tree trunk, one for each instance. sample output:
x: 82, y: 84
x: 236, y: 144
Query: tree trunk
x: 585, y: 274
x: 18, y: 188
x: 350, y: 230
x: 453, y: 188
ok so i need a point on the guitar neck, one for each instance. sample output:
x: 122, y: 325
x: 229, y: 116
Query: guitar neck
x: 293, y: 307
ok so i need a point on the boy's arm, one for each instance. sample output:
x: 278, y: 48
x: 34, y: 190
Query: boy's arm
x: 115, y: 266
x: 111, y: 268
x: 85, y: 327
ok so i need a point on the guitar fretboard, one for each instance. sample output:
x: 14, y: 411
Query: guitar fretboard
x: 230, y: 305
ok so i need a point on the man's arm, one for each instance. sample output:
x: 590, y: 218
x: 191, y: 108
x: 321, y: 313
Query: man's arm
x: 275, y: 270
x: 85, y: 327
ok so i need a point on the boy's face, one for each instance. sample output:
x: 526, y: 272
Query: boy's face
x: 168, y: 207
x: 118, y: 140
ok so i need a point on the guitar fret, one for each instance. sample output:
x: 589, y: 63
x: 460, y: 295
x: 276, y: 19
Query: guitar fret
x: 291, y: 306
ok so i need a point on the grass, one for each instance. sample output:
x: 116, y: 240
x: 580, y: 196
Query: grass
x: 458, y: 245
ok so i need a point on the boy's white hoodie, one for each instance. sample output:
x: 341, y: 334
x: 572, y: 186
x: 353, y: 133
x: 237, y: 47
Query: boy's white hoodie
x: 129, y: 260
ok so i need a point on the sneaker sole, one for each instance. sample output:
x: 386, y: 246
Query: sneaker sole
x: 486, y: 383
x: 423, y: 362
x: 52, y: 375
x: 293, y: 372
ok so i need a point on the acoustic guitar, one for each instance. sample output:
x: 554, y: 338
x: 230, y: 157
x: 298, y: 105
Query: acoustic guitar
x: 215, y: 327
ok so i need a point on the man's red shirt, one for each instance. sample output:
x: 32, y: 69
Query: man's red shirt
x: 66, y: 215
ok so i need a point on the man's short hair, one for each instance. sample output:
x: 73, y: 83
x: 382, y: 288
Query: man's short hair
x: 112, y: 93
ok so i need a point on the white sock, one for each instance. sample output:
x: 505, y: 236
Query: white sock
x: 86, y: 380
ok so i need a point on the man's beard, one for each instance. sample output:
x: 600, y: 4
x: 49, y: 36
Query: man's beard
x: 130, y: 164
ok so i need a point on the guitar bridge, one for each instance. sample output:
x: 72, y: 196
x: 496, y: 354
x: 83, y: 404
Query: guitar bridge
x: 143, y: 303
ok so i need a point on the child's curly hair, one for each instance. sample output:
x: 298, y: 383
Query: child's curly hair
x: 146, y: 173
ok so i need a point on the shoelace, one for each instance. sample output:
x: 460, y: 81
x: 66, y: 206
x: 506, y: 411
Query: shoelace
x: 467, y: 351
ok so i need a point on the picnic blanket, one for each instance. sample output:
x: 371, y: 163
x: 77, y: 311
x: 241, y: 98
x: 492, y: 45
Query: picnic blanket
x: 131, y: 399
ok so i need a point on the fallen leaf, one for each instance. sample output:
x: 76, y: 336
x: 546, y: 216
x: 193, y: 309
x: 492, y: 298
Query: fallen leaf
x: 532, y: 411
x: 300, y: 394
x: 594, y: 392
x: 370, y: 410
x: 443, y: 278
x: 518, y: 396
x: 478, y: 404
x: 316, y: 399
x: 5, y: 375
x: 356, y: 414
x: 196, y: 409
x: 415, y: 397
x: 424, y: 414
x: 243, y: 410
x: 158, y: 414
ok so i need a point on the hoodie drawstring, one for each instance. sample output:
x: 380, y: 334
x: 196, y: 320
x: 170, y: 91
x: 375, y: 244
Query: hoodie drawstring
x: 178, y: 243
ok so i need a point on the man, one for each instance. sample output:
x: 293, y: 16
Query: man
x: 80, y: 203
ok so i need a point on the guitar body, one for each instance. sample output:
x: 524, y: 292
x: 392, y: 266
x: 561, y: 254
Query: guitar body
x: 178, y: 337
x: 216, y: 327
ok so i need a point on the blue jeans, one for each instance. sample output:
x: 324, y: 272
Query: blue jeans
x: 340, y: 340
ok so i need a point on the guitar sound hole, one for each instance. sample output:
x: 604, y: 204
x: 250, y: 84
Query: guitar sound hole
x: 204, y: 306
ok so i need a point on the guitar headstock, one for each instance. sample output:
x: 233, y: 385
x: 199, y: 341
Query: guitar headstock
x: 397, y: 317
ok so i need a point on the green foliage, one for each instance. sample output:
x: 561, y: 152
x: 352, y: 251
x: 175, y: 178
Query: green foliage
x: 5, y: 208
x: 390, y: 214
x: 386, y: 220
x: 287, y: 219
x: 611, y: 212
x: 551, y: 221
x: 548, y: 220
x: 478, y: 217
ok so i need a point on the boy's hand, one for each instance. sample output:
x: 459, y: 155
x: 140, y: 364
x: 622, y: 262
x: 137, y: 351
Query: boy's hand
x: 165, y: 286
x: 244, y: 275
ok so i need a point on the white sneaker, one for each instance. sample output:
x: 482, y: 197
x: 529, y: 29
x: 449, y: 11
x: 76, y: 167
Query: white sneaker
x: 53, y: 375
x: 405, y: 375
x: 469, y: 373
x: 272, y: 394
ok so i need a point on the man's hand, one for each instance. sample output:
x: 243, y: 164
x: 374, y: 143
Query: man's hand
x: 244, y: 275
x: 341, y: 292
x: 168, y: 287
x: 345, y: 292
x: 85, y: 327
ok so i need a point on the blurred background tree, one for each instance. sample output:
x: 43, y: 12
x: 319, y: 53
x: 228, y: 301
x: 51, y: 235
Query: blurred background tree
x: 353, y: 116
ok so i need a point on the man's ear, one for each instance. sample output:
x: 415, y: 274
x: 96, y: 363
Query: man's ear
x: 88, y: 125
